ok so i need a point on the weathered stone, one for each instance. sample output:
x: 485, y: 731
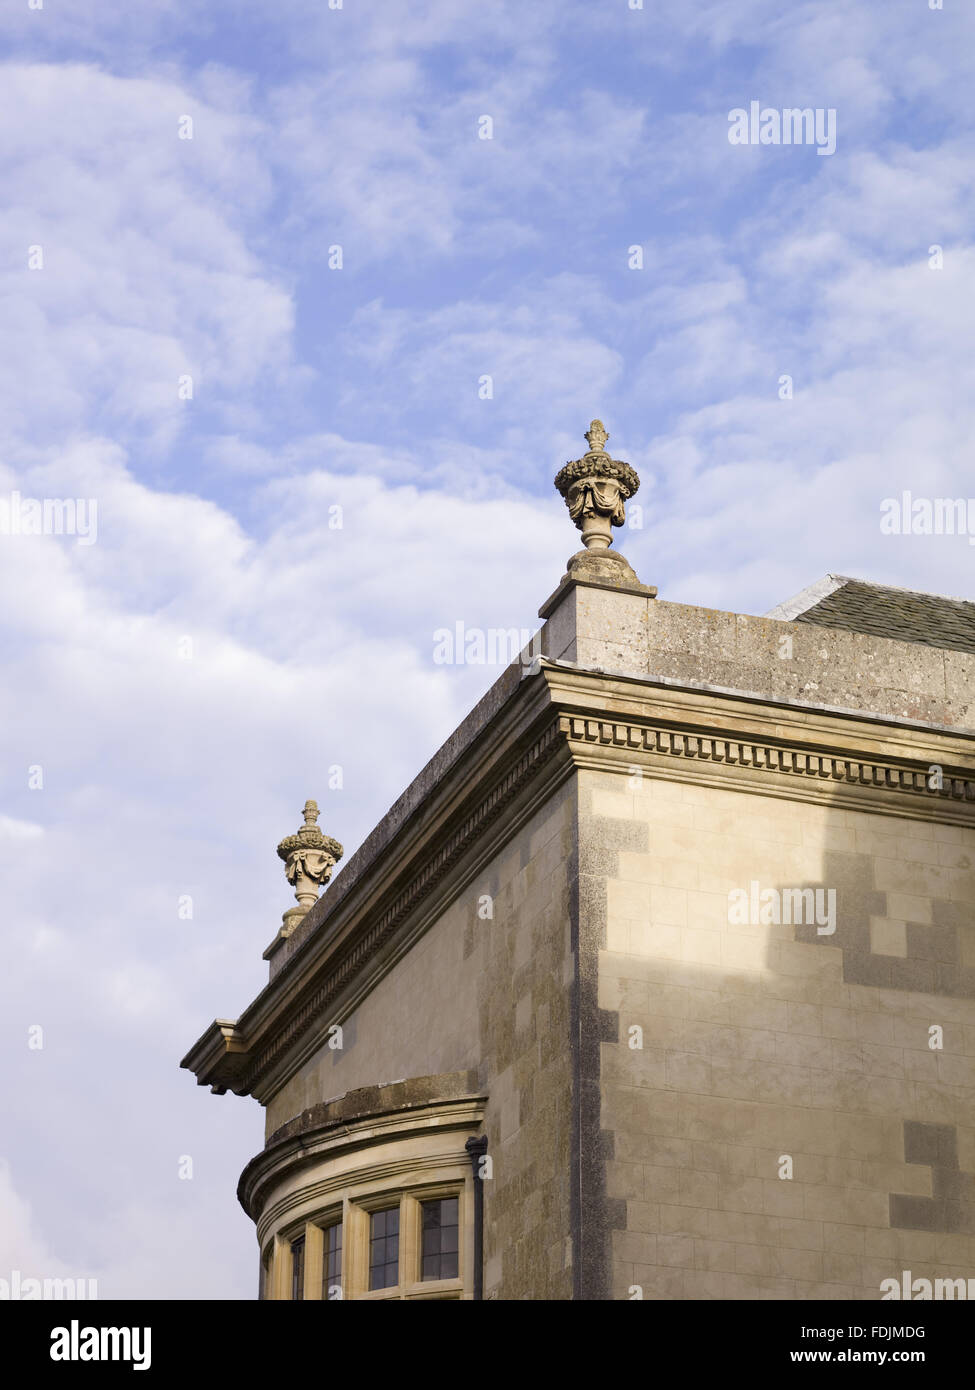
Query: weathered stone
x: 539, y: 941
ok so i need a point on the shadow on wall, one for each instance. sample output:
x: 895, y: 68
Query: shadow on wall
x: 793, y: 1117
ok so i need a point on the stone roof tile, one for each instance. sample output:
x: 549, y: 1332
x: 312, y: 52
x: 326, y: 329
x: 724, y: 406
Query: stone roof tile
x: 900, y: 614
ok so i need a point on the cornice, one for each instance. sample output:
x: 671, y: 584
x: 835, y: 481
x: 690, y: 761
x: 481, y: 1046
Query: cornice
x: 482, y: 799
x: 598, y: 743
x: 740, y: 712
x: 561, y: 719
x: 795, y: 751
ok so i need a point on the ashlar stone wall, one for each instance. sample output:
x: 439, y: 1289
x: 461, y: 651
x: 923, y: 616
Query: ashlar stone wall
x: 846, y: 1059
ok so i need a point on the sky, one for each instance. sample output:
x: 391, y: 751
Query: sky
x: 313, y: 301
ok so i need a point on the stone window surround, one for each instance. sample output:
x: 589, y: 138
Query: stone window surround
x: 347, y: 1170
x: 354, y: 1210
x: 264, y: 1286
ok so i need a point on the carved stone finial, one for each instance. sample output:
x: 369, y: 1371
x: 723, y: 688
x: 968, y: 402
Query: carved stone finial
x: 596, y: 488
x: 309, y: 858
x: 596, y: 437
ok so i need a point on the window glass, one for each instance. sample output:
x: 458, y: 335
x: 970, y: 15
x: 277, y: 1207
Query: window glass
x: 384, y: 1249
x: 438, y: 1247
x: 298, y: 1268
x: 332, y: 1262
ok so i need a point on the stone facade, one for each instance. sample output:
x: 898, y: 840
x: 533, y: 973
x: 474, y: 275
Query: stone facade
x: 487, y: 990
x: 681, y: 920
x: 761, y: 1041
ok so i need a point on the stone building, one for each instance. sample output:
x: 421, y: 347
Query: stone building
x: 659, y: 979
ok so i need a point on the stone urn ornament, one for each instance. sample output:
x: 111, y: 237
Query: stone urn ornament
x: 309, y: 858
x: 596, y: 489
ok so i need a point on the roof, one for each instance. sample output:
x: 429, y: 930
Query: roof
x: 903, y: 615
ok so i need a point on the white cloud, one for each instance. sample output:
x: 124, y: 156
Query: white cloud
x: 146, y: 273
x: 170, y: 773
x: 13, y: 829
x: 22, y: 1246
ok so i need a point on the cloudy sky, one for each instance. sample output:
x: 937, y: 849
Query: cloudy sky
x: 181, y: 345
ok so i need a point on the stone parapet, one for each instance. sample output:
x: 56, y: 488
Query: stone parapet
x: 629, y: 632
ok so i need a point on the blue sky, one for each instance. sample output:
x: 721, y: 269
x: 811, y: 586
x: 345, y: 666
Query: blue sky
x: 358, y: 387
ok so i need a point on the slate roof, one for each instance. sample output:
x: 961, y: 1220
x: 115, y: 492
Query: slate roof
x: 901, y: 614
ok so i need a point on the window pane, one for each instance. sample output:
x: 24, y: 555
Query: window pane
x: 332, y: 1262
x: 384, y: 1249
x: 439, y: 1243
x: 298, y: 1268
